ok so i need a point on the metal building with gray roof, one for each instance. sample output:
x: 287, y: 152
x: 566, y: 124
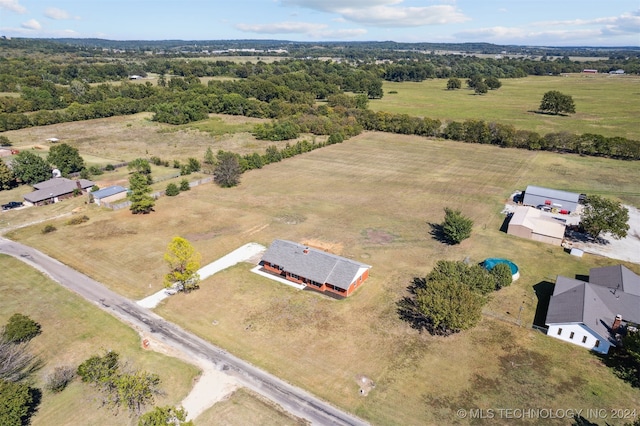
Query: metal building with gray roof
x: 554, y: 198
x: 314, y: 268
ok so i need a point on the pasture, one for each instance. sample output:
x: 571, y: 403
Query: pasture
x: 606, y: 105
x: 372, y: 199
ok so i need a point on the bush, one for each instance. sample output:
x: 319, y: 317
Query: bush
x: 20, y: 328
x: 456, y: 227
x: 49, y: 228
x: 172, y: 190
x: 109, y: 167
x: 502, y: 274
x: 95, y: 171
x: 78, y: 220
x: 184, y: 185
x: 59, y: 379
x: 4, y: 141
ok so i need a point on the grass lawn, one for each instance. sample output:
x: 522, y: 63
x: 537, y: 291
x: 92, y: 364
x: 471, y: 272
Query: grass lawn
x: 371, y: 198
x: 605, y: 105
x: 72, y: 331
x: 243, y: 408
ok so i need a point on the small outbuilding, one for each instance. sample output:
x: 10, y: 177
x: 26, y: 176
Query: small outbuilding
x: 315, y: 269
x: 531, y: 223
x: 109, y: 194
x: 563, y: 201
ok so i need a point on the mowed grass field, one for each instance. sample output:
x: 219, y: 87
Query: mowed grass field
x: 606, y: 105
x: 371, y: 199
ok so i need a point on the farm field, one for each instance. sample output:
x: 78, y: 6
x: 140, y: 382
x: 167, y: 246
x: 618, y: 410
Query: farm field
x: 371, y: 199
x: 605, y: 105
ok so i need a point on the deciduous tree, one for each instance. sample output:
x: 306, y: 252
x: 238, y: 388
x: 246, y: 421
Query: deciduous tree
x: 7, y: 178
x: 602, y: 215
x: 555, y: 102
x: 20, y: 328
x: 454, y: 83
x: 183, y: 262
x: 227, y: 172
x: 65, y: 158
x: 163, y: 416
x: 29, y: 168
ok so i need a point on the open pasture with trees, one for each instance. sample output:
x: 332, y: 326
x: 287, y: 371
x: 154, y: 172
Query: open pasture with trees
x: 371, y: 199
x: 605, y: 104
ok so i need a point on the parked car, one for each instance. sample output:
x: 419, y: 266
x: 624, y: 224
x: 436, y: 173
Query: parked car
x: 11, y: 205
x: 544, y: 208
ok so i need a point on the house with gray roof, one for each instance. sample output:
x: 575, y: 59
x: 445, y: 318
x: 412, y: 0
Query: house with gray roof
x: 313, y: 268
x: 56, y: 189
x: 563, y: 201
x: 595, y: 314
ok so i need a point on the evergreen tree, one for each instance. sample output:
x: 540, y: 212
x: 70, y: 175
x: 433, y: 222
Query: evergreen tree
x: 141, y: 201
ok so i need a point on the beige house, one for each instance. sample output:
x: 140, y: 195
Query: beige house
x: 529, y: 222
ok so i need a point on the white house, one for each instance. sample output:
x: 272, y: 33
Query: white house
x: 597, y: 313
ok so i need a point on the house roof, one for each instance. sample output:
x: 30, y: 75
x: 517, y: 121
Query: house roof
x: 596, y: 304
x: 552, y: 193
x: 533, y: 219
x: 108, y: 191
x: 56, y: 187
x: 314, y: 264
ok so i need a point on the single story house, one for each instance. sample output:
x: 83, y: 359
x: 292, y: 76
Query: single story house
x: 56, y: 189
x: 316, y: 269
x: 563, y: 201
x: 531, y: 223
x: 595, y: 314
x: 109, y: 194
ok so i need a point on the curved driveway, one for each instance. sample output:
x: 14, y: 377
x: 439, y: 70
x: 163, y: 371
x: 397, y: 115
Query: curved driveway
x: 292, y: 399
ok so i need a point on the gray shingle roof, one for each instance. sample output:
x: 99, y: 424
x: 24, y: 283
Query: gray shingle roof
x: 596, y: 303
x: 313, y: 264
x: 55, y: 187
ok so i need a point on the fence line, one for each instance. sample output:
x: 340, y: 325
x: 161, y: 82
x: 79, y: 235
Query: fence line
x: 155, y: 195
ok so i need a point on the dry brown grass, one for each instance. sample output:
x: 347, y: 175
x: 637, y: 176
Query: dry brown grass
x: 73, y: 330
x: 373, y: 196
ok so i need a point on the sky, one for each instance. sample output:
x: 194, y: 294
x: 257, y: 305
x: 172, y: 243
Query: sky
x: 518, y: 22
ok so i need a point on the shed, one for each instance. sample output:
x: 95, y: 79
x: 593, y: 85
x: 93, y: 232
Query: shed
x: 554, y: 198
x: 109, y: 194
x: 531, y: 223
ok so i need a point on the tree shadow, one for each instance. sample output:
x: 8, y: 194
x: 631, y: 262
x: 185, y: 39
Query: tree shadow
x: 408, y: 309
x: 548, y: 113
x: 578, y: 420
x: 544, y: 291
x: 575, y: 235
x: 32, y: 407
x: 437, y: 232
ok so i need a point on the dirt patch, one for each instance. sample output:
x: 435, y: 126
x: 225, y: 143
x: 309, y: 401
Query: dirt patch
x: 334, y: 248
x: 365, y: 383
x: 378, y: 236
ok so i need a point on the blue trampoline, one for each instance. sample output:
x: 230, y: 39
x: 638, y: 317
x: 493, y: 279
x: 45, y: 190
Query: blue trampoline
x: 491, y: 263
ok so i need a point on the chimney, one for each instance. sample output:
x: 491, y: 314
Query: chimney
x: 306, y: 250
x: 78, y: 185
x: 616, y: 323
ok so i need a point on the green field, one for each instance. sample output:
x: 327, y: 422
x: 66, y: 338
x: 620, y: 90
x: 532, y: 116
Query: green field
x: 606, y: 105
x: 371, y: 199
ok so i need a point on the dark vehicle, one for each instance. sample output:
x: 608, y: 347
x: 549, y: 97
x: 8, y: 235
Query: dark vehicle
x: 11, y: 205
x: 544, y: 208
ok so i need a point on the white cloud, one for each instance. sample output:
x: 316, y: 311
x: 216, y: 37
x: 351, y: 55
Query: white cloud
x: 57, y: 14
x: 31, y: 24
x: 12, y: 5
x: 582, y: 30
x: 384, y: 13
x: 314, y: 31
x: 282, y: 28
